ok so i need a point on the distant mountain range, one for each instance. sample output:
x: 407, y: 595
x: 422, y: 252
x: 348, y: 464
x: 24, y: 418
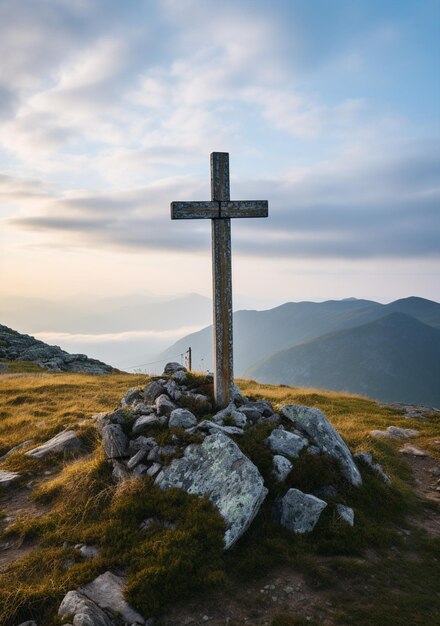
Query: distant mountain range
x: 390, y: 352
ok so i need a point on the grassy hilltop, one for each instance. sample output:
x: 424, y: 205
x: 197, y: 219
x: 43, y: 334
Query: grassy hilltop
x: 385, y: 570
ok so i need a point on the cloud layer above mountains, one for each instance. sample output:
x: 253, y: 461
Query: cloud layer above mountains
x: 109, y: 110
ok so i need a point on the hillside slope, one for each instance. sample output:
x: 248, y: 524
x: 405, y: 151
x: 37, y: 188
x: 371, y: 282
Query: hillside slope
x: 260, y: 334
x: 394, y: 358
x: 15, y: 346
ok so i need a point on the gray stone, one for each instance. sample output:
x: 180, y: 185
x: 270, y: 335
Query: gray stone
x: 153, y: 390
x: 219, y: 470
x: 144, y: 422
x: 172, y: 390
x: 180, y: 376
x: 413, y: 451
x: 326, y: 491
x: 20, y: 446
x: 8, y: 478
x: 282, y: 442
x: 236, y: 396
x: 182, y: 418
x: 29, y: 623
x: 164, y: 406
x: 314, y: 423
x: 172, y: 368
x: 395, y: 432
x: 345, y: 513
x: 212, y: 427
x: 154, y: 455
x: 114, y: 441
x: 281, y: 467
x: 137, y: 458
x: 107, y: 591
x: 299, y: 511
x: 154, y: 469
x: 120, y: 472
x: 140, y: 470
x: 252, y: 414
x: 367, y: 458
x: 198, y: 399
x: 130, y: 396
x: 141, y: 443
x: 85, y: 612
x: 140, y: 408
x: 88, y: 552
x: 67, y: 441
x: 230, y: 412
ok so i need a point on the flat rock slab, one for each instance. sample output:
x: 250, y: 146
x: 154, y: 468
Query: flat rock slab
x: 413, y: 451
x: 67, y: 441
x: 219, y: 470
x: 299, y: 511
x: 107, y: 591
x: 314, y: 423
x: 395, y: 432
x: 8, y: 478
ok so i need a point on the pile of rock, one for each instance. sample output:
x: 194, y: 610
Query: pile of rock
x: 15, y: 346
x: 215, y: 466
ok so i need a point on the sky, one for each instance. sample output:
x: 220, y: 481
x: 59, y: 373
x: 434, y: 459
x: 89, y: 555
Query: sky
x: 330, y: 110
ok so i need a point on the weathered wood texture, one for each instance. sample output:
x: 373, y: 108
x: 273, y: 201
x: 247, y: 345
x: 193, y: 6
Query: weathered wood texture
x: 222, y: 310
x: 220, y: 176
x: 194, y: 210
x: 220, y: 210
x: 244, y: 208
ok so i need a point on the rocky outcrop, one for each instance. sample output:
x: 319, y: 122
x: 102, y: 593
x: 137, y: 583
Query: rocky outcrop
x: 15, y: 346
x: 395, y: 432
x: 315, y: 425
x: 8, y: 478
x: 367, y: 459
x: 219, y: 470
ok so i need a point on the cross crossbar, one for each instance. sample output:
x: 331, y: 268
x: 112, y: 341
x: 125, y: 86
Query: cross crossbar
x: 217, y: 210
x: 220, y: 210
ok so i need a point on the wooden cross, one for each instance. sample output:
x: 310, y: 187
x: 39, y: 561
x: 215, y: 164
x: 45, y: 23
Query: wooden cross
x: 220, y: 210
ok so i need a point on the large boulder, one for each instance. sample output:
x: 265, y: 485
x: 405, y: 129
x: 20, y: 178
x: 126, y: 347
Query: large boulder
x: 219, y: 470
x: 314, y: 424
x: 282, y: 442
x: 299, y: 511
x: 67, y: 441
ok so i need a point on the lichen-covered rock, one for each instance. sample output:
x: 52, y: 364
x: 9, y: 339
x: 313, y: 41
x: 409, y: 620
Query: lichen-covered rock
x: 172, y: 390
x: 345, y: 513
x: 367, y: 458
x: 140, y: 455
x: 141, y: 443
x: 182, y: 418
x: 8, y: 478
x: 230, y: 412
x: 281, y: 467
x: 67, y: 441
x: 282, y: 442
x: 314, y: 423
x: 298, y: 511
x: 114, y: 441
x: 219, y: 470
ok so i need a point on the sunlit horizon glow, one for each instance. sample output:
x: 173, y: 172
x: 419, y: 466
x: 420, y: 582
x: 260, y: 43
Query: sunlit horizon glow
x: 329, y: 109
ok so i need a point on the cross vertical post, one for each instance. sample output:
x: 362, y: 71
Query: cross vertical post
x: 222, y: 282
x: 220, y: 209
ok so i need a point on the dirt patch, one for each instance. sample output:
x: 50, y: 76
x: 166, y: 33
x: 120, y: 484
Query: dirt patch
x: 256, y: 603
